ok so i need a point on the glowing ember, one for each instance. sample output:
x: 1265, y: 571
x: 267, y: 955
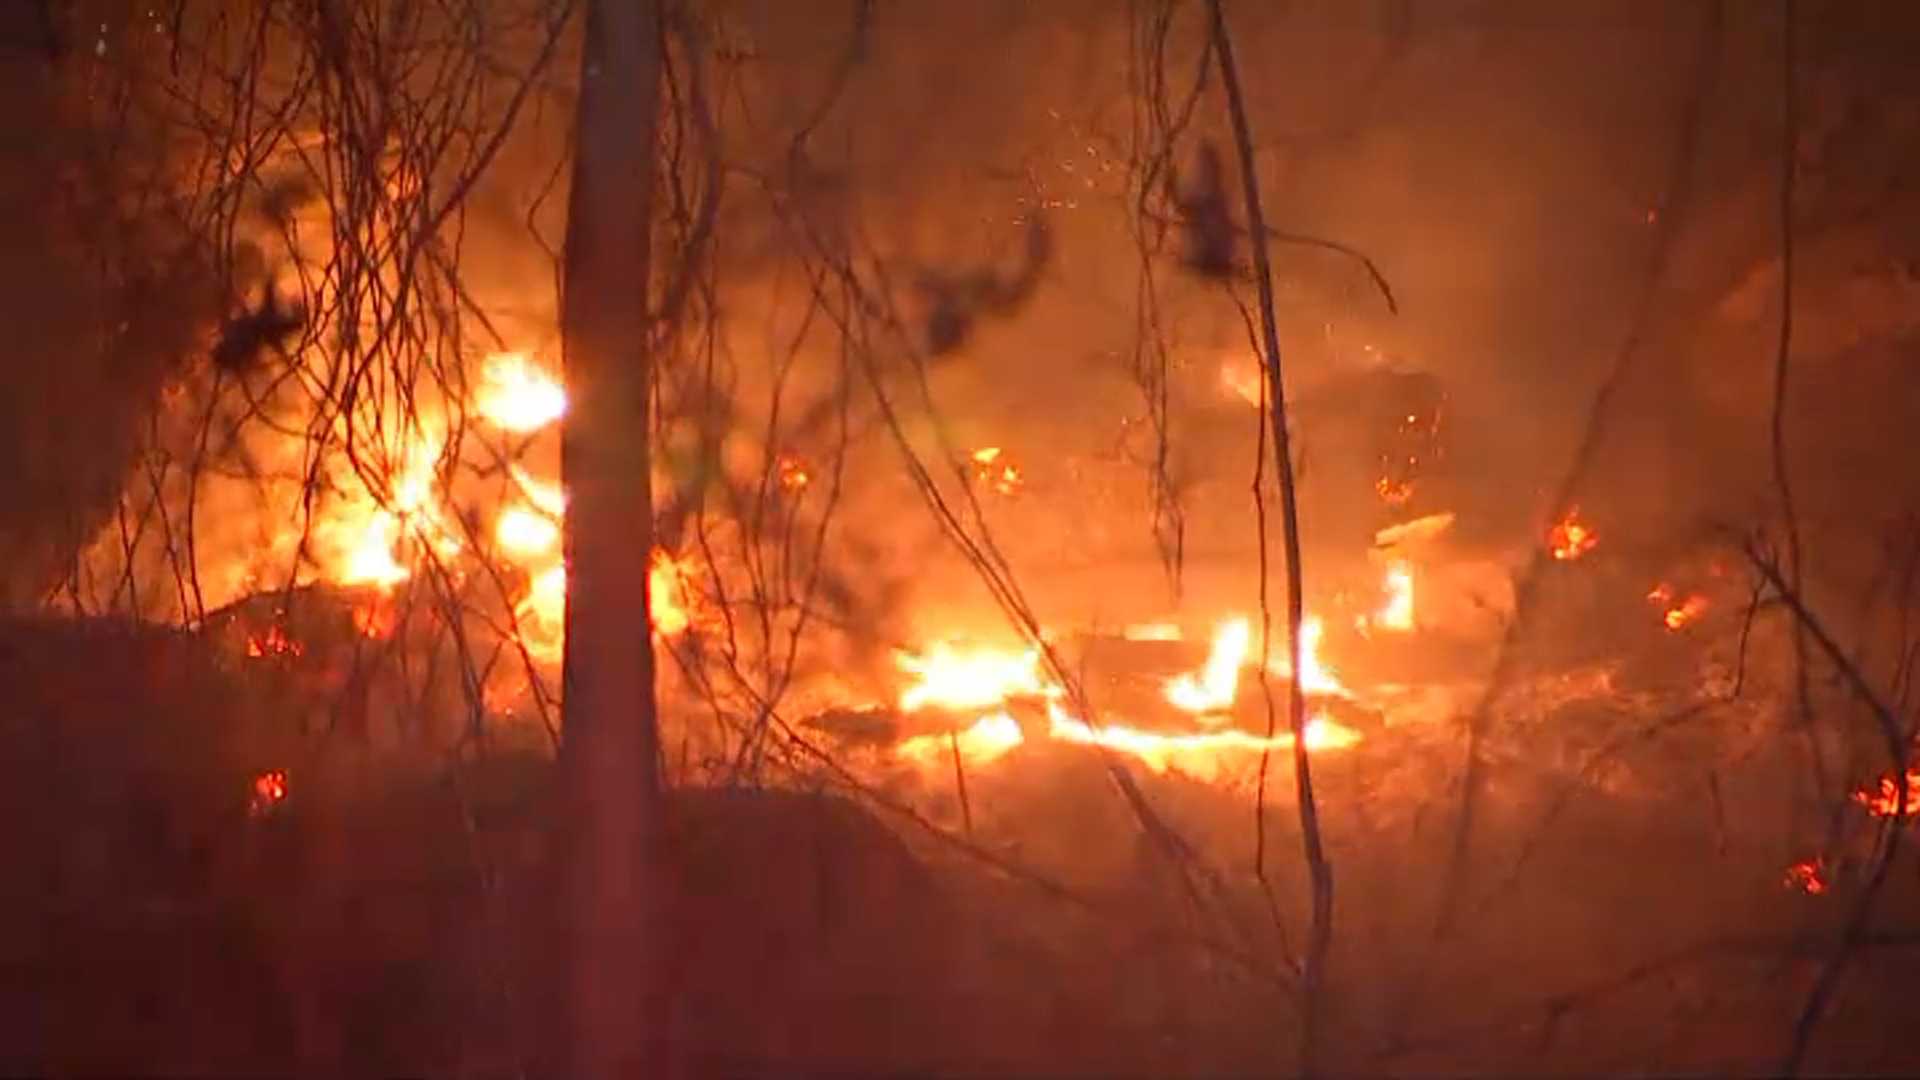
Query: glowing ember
x: 1215, y: 687
x: 273, y: 642
x: 1392, y: 491
x: 793, y: 474
x: 1808, y: 876
x: 522, y: 531
x: 1883, y: 798
x: 1680, y: 615
x: 269, y: 788
x: 1571, y: 538
x: 542, y: 612
x: 516, y: 395
x: 991, y: 467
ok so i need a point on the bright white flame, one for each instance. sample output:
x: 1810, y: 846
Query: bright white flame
x: 1214, y: 688
x: 1397, y: 612
x: 516, y: 395
x: 525, y: 532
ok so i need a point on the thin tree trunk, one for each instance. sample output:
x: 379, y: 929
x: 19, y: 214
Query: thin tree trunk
x: 1319, y: 869
x: 615, y: 1002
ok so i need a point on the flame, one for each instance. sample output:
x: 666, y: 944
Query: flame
x: 1152, y: 632
x: 990, y: 737
x: 1201, y: 755
x: 273, y: 642
x: 983, y: 679
x: 516, y: 395
x: 373, y: 554
x: 1397, y: 612
x: 1316, y: 677
x: 269, y: 788
x: 1677, y: 617
x: 1809, y: 876
x: 1571, y: 538
x: 523, y: 531
x: 950, y: 677
x: 542, y: 612
x: 1883, y: 798
x: 1215, y: 687
x: 991, y: 469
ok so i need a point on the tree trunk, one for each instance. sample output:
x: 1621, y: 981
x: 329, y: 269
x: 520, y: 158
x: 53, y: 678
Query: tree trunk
x: 614, y: 1005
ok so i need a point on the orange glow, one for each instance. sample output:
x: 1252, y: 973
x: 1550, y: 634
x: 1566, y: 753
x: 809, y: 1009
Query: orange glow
x: 983, y: 679
x: 1393, y: 492
x: 1883, y: 799
x: 1215, y: 687
x: 1316, y: 677
x: 991, y: 467
x: 990, y: 737
x: 1201, y: 755
x: 273, y: 642
x: 269, y: 788
x: 793, y: 474
x: 1397, y: 612
x: 1571, y: 538
x: 517, y: 395
x: 1680, y: 615
x: 1809, y: 876
x: 542, y: 612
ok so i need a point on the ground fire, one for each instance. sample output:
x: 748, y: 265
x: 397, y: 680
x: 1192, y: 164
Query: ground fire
x: 1164, y: 539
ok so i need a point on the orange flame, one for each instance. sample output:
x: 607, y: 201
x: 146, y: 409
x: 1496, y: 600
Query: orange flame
x: 983, y: 679
x: 1571, y: 538
x: 1397, y: 613
x: 273, y: 642
x: 1883, y: 798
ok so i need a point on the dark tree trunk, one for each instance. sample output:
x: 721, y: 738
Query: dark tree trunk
x: 614, y: 1004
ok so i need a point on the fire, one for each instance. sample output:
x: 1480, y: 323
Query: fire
x: 1393, y: 492
x: 1571, y: 538
x: 523, y: 531
x: 1809, y: 876
x: 965, y: 679
x: 1883, y: 798
x: 1676, y: 615
x: 983, y: 679
x: 542, y: 612
x: 273, y: 642
x: 793, y: 474
x: 410, y: 514
x: 991, y: 468
x: 1201, y: 755
x: 1315, y: 676
x: 516, y: 395
x: 1217, y: 684
x: 990, y: 737
x: 1397, y: 612
x: 269, y: 788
